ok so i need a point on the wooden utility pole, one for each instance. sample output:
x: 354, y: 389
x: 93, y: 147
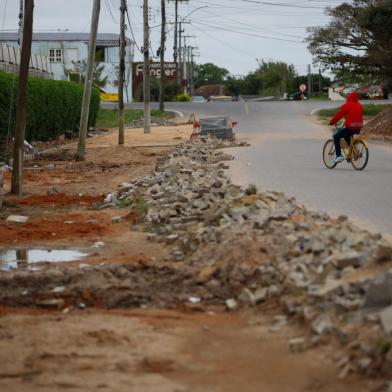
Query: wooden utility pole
x: 176, y: 53
x: 17, y: 172
x: 21, y: 13
x: 309, y: 80
x: 175, y: 49
x: 179, y: 74
x: 121, y: 74
x: 146, y: 70
x: 320, y: 82
x: 88, y: 81
x: 162, y: 53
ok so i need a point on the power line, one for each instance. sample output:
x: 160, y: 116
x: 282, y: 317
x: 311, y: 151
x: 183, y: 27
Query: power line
x: 5, y: 11
x: 130, y: 28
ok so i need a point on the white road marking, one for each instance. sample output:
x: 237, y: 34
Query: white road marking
x: 246, y: 107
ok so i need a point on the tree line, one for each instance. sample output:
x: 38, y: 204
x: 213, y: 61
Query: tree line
x: 270, y: 78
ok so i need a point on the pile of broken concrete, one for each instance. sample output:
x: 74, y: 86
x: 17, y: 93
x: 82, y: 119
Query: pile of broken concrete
x: 247, y: 248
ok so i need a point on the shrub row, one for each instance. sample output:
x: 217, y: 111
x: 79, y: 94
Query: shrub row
x: 52, y: 106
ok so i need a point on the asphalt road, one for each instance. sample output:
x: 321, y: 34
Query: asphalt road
x: 286, y: 155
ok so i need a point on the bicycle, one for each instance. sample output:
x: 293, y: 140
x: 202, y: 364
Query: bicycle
x: 357, y: 153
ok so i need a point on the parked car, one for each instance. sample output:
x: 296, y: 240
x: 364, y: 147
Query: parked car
x: 198, y: 98
x: 221, y: 98
x: 297, y: 96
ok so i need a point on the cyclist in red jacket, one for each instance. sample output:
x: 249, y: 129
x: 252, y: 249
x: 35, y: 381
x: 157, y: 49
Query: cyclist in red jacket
x: 352, y: 111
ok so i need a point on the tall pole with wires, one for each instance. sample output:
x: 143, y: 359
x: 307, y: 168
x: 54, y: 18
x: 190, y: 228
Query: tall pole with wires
x: 21, y: 13
x: 88, y: 81
x: 146, y: 70
x: 162, y: 53
x: 121, y: 74
x: 17, y: 172
x: 176, y: 53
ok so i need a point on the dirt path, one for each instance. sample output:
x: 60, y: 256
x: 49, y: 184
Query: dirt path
x: 150, y: 350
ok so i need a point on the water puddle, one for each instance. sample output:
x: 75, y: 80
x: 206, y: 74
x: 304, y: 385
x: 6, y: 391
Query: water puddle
x: 29, y: 258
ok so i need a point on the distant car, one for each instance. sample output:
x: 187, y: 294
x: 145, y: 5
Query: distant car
x: 106, y: 96
x: 198, y: 99
x: 221, y: 98
x: 297, y: 96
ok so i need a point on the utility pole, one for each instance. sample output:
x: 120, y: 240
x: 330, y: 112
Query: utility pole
x: 162, y: 50
x: 309, y: 80
x: 192, y: 70
x: 320, y: 81
x: 146, y: 70
x: 88, y: 81
x: 184, y: 72
x: 186, y: 62
x: 21, y: 13
x: 121, y: 74
x: 179, y: 73
x: 17, y: 172
x: 176, y: 32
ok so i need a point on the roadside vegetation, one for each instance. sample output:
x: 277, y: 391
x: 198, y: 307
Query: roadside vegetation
x: 108, y: 118
x: 53, y: 107
x: 369, y: 110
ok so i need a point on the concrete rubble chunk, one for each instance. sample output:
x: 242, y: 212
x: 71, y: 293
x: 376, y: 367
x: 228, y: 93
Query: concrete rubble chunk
x: 322, y: 325
x: 383, y: 252
x: 231, y: 304
x: 17, y: 219
x: 379, y: 291
x: 246, y: 297
x: 260, y: 295
x: 364, y: 363
x: 297, y: 345
x: 386, y: 320
x: 56, y: 303
x: 349, y: 259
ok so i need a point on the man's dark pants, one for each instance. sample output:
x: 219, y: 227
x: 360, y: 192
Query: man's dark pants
x: 345, y: 133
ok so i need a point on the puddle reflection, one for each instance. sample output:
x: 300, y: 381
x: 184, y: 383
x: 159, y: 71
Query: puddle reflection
x: 23, y: 258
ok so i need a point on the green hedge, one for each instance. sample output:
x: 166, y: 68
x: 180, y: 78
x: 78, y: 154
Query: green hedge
x: 52, y: 106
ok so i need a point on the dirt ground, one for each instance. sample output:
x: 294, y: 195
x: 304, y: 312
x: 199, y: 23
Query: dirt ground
x: 183, y: 349
x: 380, y: 125
x: 151, y: 350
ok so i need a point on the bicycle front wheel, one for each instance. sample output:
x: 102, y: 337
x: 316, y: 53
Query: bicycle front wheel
x: 329, y: 154
x: 360, y: 155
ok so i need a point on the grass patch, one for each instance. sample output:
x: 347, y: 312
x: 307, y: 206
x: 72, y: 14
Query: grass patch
x: 108, y: 118
x: 251, y: 190
x: 369, y: 110
x: 319, y: 97
x: 141, y: 208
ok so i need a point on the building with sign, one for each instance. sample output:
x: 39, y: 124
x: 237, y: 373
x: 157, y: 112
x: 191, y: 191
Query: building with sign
x: 65, y: 49
x: 155, y: 73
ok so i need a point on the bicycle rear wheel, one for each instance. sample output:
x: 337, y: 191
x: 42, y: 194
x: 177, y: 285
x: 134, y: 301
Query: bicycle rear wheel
x: 360, y: 155
x: 329, y: 154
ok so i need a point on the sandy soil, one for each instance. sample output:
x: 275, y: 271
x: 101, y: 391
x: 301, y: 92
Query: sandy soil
x: 149, y: 350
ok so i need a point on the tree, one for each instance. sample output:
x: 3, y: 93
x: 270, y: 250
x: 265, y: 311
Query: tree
x: 356, y: 45
x: 303, y: 79
x: 209, y: 74
x: 250, y: 85
x: 277, y: 76
x: 79, y: 72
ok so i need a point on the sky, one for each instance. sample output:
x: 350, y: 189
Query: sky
x: 233, y: 34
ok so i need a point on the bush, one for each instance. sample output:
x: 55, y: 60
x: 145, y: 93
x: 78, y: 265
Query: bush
x: 251, y: 190
x: 52, y: 106
x: 172, y: 89
x: 183, y: 98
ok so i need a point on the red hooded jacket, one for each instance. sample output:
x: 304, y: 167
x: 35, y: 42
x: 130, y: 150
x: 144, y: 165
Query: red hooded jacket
x: 352, y: 111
